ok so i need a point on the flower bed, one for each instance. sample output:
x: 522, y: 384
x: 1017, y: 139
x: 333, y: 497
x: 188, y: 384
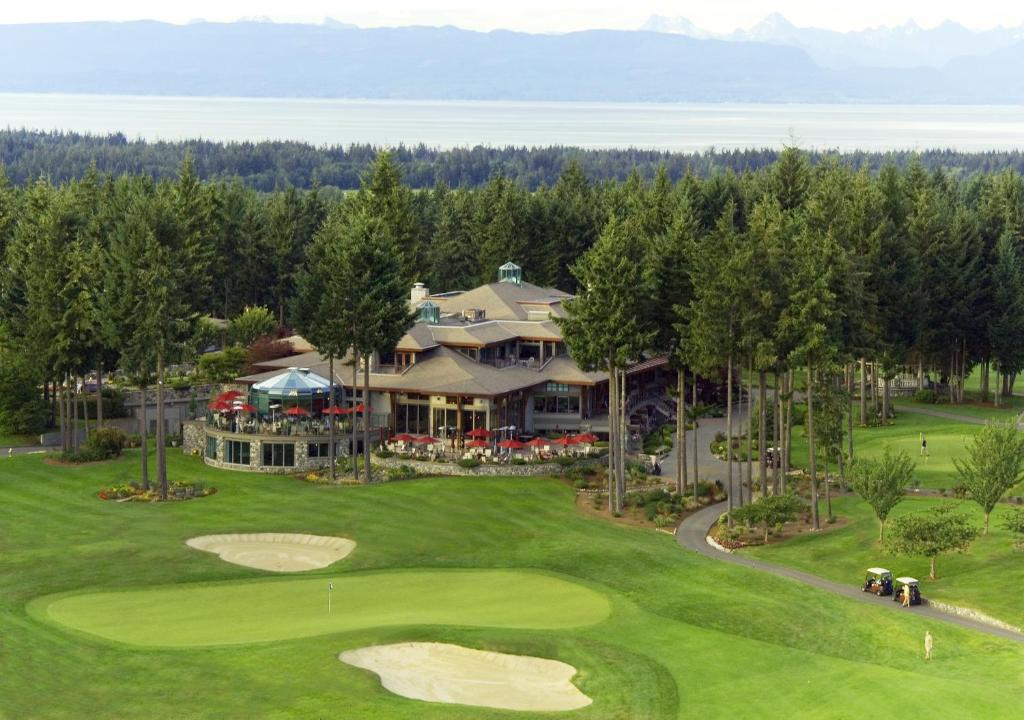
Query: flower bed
x: 133, y: 492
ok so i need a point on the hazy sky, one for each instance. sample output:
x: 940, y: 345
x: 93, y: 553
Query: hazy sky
x: 532, y: 15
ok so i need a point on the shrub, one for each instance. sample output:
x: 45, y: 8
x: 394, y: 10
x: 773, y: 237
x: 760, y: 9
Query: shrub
x: 384, y: 454
x: 86, y: 454
x: 252, y: 324
x: 469, y: 463
x: 22, y: 411
x: 108, y: 441
x: 223, y: 366
x: 565, y: 461
x: 402, y: 472
x: 927, y: 396
x: 518, y: 461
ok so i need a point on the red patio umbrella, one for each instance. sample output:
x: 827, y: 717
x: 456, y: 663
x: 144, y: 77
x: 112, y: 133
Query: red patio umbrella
x: 478, y: 444
x: 425, y: 440
x: 230, y: 395
x: 538, y: 442
x: 360, y: 408
x: 586, y: 438
x: 404, y: 438
x: 246, y: 408
x: 564, y: 441
x: 220, y: 405
x: 296, y: 411
x: 511, y: 445
x: 481, y: 433
x: 336, y: 410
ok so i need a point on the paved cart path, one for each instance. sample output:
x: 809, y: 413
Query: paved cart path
x: 692, y: 534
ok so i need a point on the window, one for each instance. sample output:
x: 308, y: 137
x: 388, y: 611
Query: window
x: 557, y: 404
x: 211, y: 447
x: 557, y: 387
x: 278, y: 454
x: 317, y: 450
x: 236, y: 452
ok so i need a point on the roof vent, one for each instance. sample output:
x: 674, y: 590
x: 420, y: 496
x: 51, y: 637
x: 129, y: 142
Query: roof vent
x: 510, y: 273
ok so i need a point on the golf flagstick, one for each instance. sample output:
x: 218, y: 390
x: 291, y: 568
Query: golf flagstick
x: 330, y: 588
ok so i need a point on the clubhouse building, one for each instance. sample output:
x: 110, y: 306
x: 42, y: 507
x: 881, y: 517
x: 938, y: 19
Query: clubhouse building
x: 490, y: 358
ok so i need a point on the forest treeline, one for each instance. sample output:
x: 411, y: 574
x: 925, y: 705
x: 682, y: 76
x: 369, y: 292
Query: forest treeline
x: 275, y: 165
x: 797, y: 266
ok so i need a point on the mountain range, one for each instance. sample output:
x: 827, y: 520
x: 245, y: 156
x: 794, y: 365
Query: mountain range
x: 259, y: 59
x: 904, y: 46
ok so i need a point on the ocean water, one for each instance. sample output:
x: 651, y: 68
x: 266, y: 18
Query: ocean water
x: 445, y: 124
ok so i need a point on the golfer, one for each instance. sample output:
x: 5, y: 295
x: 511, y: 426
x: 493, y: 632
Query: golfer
x: 929, y: 643
x: 906, y: 596
x: 924, y: 446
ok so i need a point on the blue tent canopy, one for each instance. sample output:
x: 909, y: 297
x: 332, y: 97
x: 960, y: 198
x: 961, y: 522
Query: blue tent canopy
x: 295, y: 383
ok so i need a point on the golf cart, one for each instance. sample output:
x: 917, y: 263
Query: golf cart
x: 907, y: 585
x: 878, y: 581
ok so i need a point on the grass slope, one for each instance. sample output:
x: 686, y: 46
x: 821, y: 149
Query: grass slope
x: 988, y: 577
x: 686, y: 636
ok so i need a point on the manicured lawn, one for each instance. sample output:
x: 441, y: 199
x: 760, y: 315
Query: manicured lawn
x: 248, y: 612
x: 684, y: 636
x: 989, y: 577
x: 946, y: 440
x: 18, y: 440
x: 1008, y: 409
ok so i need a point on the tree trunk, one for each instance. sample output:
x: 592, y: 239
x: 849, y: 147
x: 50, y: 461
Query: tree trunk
x: 613, y: 395
x: 696, y: 450
x: 74, y: 418
x: 787, y: 438
x: 623, y: 439
x: 849, y: 412
x: 952, y: 376
x: 777, y: 442
x: 366, y: 419
x: 728, y: 437
x: 99, y: 396
x: 143, y: 439
x: 750, y: 433
x: 885, y: 400
x: 681, y: 432
x: 984, y: 380
x: 762, y: 435
x: 985, y: 530
x: 881, y: 531
x: 353, y: 414
x: 863, y: 392
x: 812, y: 455
x: 85, y: 410
x: 331, y: 453
x: 920, y: 374
x: 931, y: 572
x: 874, y: 387
x: 161, y: 449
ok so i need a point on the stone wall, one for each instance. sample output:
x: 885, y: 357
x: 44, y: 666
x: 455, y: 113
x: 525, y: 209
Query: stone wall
x: 195, y: 432
x: 424, y: 467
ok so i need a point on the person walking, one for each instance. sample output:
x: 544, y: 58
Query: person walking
x: 924, y: 446
x: 929, y: 644
x: 906, y: 596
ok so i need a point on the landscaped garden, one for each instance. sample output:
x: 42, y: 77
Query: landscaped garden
x: 105, y: 612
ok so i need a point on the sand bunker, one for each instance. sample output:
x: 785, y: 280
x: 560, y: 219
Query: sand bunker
x: 438, y: 672
x: 278, y: 552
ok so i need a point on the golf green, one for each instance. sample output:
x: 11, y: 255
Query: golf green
x: 263, y: 611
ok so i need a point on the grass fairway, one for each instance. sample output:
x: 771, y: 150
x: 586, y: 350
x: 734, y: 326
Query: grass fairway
x: 946, y: 440
x: 684, y: 637
x: 988, y: 577
x: 232, y: 613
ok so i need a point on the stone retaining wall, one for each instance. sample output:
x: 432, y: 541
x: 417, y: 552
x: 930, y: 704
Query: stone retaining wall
x: 424, y: 467
x: 970, y: 614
